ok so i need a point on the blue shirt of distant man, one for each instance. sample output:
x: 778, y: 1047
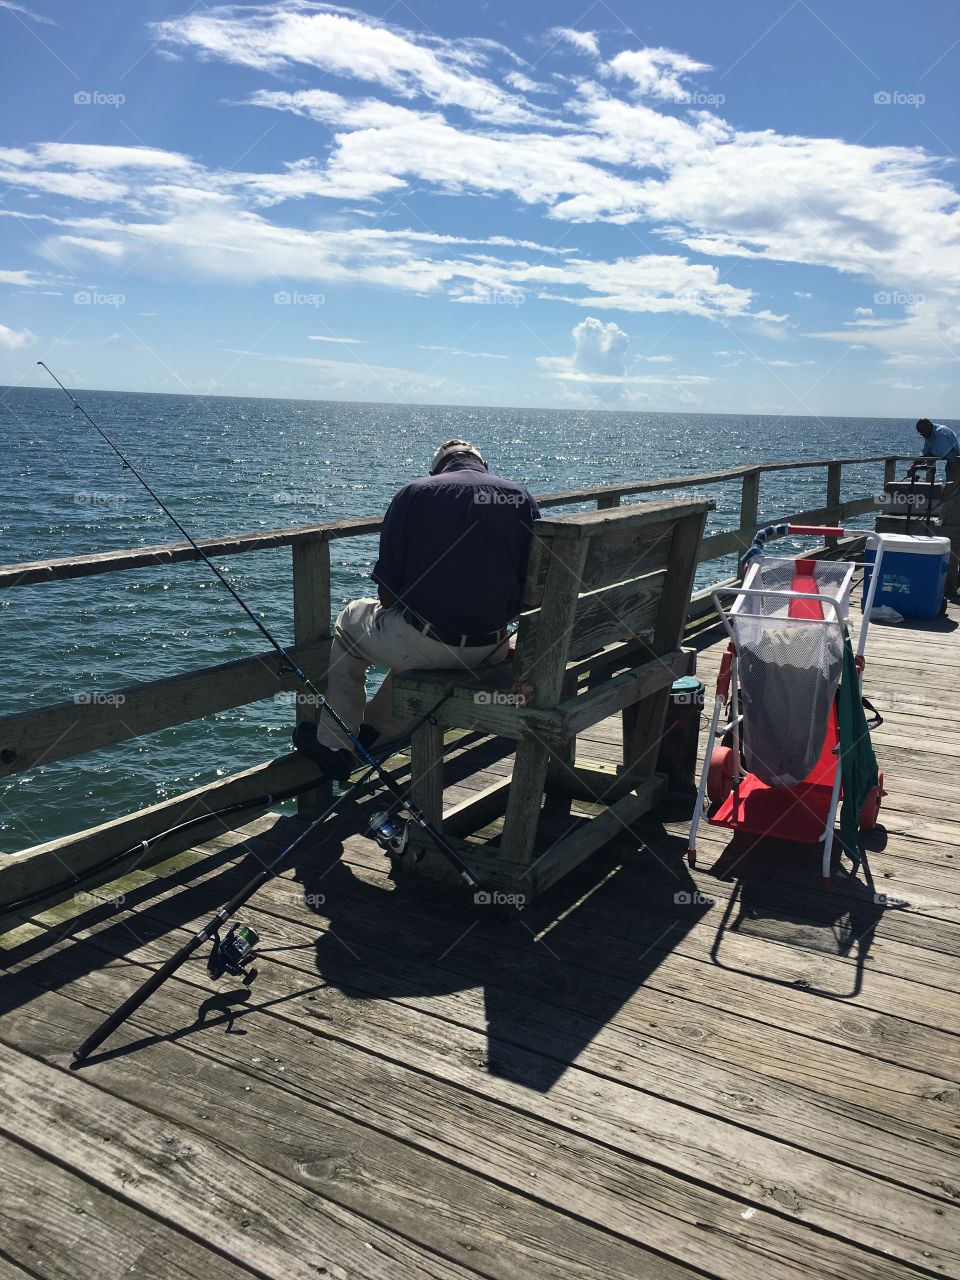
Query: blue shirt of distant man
x: 939, y: 442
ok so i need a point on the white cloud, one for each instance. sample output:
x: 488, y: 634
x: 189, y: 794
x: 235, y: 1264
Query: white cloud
x: 863, y: 311
x: 344, y: 375
x: 321, y: 337
x: 346, y: 43
x: 799, y: 293
x: 599, y: 357
x: 457, y: 351
x: 656, y: 73
x: 13, y: 339
x: 584, y: 41
x: 599, y: 347
x: 606, y: 152
x: 25, y: 279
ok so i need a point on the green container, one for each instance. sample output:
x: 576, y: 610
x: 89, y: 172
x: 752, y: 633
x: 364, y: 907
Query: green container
x: 681, y: 734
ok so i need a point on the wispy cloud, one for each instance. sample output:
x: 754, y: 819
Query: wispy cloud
x: 14, y: 7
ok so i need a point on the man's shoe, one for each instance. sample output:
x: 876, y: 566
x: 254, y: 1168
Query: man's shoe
x: 336, y: 765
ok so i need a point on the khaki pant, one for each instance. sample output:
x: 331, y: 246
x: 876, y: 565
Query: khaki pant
x: 367, y: 635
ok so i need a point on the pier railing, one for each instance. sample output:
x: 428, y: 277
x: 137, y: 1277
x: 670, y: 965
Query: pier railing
x: 69, y: 729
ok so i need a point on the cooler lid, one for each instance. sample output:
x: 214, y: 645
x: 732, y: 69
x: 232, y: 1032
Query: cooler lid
x: 915, y: 544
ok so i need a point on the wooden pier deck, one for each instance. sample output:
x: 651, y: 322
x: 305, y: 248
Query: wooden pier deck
x: 652, y: 1072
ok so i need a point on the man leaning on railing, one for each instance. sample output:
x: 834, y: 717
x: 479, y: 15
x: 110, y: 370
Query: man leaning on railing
x: 938, y: 442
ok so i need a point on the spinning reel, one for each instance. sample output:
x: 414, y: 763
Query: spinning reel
x: 233, y: 953
x: 390, y: 831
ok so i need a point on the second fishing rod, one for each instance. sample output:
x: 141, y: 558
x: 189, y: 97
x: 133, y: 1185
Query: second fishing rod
x: 417, y: 816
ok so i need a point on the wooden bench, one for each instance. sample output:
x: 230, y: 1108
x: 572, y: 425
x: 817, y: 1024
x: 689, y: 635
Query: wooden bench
x: 607, y: 593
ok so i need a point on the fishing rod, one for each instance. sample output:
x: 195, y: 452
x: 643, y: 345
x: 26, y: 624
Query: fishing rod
x: 417, y: 816
x: 235, y: 952
x: 142, y: 846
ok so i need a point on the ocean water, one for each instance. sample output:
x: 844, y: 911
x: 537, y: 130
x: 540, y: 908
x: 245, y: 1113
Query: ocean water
x: 227, y: 465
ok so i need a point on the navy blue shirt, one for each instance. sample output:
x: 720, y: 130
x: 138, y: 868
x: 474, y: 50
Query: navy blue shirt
x: 454, y: 548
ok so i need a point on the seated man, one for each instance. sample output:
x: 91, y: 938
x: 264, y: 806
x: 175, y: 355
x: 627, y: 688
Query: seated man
x: 453, y: 560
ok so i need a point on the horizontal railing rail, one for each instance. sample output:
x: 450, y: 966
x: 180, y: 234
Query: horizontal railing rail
x: 66, y: 567
x: 65, y: 730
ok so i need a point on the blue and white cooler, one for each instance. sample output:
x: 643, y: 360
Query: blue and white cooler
x: 913, y: 574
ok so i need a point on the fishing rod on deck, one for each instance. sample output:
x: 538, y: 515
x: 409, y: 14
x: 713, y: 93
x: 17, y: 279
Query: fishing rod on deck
x: 233, y: 953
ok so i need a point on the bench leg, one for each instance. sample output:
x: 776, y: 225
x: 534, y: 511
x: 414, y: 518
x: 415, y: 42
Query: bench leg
x: 643, y: 727
x: 426, y: 772
x: 560, y: 777
x: 523, y: 802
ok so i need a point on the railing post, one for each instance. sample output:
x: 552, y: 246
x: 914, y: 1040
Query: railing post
x: 889, y: 471
x: 311, y: 622
x: 833, y: 496
x: 750, y: 500
x: 608, y: 500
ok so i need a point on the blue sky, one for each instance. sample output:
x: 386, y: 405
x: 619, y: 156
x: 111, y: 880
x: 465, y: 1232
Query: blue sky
x: 708, y: 206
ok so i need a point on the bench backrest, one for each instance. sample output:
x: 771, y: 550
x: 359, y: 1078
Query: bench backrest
x: 603, y: 577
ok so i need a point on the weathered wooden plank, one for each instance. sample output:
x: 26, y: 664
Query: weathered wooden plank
x: 426, y: 771
x: 396, y: 1195
x: 649, y: 515
x: 68, y: 1227
x: 67, y: 567
x: 821, y: 1065
x: 259, y: 1220
x: 697, y: 480
x: 101, y: 718
x: 769, y: 982
x: 615, y: 613
x: 623, y: 690
x: 62, y: 861
x: 866, y: 1206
